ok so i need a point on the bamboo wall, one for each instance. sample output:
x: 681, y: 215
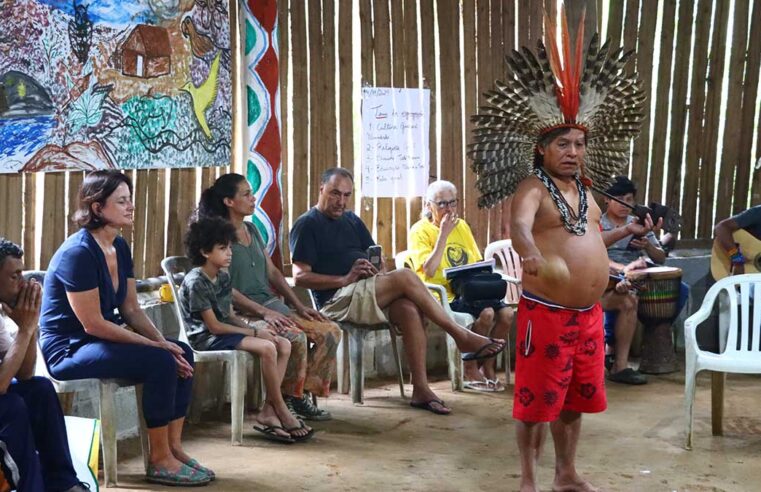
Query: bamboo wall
x: 697, y: 148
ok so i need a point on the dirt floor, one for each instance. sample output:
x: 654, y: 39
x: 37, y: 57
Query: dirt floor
x: 636, y: 445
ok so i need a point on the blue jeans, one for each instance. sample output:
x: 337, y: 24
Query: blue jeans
x: 166, y: 396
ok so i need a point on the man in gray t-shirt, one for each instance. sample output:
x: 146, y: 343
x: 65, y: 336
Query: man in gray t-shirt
x: 749, y: 220
x: 629, y: 248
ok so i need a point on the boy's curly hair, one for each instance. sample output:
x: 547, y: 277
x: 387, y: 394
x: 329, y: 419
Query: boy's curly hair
x: 204, y: 234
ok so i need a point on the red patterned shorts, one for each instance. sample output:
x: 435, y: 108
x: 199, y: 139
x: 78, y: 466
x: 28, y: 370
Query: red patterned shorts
x: 559, y: 360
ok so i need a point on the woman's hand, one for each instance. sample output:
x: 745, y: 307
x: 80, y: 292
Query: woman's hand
x: 269, y: 334
x: 278, y: 321
x: 310, y: 314
x: 184, y: 369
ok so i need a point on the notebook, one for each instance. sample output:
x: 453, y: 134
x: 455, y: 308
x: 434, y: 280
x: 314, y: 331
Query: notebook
x: 486, y: 266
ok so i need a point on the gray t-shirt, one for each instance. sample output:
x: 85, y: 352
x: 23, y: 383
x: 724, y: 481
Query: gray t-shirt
x: 619, y: 251
x: 248, y: 269
x: 750, y: 220
x: 197, y: 294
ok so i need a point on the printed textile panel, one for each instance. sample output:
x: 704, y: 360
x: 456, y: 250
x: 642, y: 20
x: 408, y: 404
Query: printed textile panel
x: 263, y: 167
x: 95, y: 84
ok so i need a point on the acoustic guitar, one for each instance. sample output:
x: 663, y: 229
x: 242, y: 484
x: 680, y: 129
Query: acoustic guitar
x: 721, y: 266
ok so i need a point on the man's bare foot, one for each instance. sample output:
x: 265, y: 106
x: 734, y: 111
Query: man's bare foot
x: 529, y: 487
x: 573, y: 484
x: 426, y: 396
x: 487, y: 347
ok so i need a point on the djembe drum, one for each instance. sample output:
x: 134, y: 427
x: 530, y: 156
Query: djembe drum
x: 658, y: 308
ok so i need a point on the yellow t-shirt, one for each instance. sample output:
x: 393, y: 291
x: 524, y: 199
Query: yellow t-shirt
x: 461, y: 249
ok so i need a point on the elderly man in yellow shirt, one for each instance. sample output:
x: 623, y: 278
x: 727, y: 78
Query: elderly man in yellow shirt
x: 441, y: 240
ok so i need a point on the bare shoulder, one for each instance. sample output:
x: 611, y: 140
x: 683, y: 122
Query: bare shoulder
x: 530, y: 189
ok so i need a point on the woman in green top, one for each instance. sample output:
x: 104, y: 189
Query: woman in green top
x: 254, y: 276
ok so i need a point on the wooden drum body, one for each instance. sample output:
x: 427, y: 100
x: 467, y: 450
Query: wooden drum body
x: 659, y: 297
x: 658, y: 307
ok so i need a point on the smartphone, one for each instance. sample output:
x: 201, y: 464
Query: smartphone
x: 374, y: 255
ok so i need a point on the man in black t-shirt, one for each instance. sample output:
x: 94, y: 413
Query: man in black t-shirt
x: 329, y: 252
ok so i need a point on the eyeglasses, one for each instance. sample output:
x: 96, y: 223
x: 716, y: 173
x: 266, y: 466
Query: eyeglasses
x: 444, y: 204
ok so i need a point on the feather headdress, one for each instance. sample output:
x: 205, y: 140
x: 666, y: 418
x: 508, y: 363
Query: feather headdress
x: 544, y: 92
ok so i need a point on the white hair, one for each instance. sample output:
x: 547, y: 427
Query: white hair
x: 434, y: 189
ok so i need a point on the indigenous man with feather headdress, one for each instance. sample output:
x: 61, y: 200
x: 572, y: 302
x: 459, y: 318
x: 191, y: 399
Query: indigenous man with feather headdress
x: 545, y: 130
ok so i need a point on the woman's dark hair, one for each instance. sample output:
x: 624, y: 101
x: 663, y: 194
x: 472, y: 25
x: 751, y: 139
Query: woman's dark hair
x: 212, y: 199
x: 96, y: 188
x: 204, y: 234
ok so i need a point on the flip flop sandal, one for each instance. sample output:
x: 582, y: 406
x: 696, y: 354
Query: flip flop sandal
x: 270, y: 432
x: 303, y: 438
x: 496, y: 385
x: 184, y: 477
x: 484, y: 386
x: 480, y: 355
x: 193, y: 463
x: 427, y: 405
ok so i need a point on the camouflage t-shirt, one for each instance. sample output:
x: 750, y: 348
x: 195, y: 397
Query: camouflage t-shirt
x: 197, y: 294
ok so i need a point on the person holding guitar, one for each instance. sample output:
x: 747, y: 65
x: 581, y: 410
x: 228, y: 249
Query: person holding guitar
x: 736, y: 245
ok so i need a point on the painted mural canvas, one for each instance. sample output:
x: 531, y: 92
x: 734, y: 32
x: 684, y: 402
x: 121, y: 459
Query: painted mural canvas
x: 92, y: 84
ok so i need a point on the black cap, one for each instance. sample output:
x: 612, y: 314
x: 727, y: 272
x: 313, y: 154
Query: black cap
x: 621, y: 186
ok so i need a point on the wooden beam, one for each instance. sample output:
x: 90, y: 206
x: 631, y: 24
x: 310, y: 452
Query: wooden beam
x: 30, y: 220
x: 745, y: 173
x: 641, y: 151
x: 679, y: 109
x: 53, y: 216
x: 382, y: 55
x: 658, y: 163
x: 710, y: 164
x: 695, y: 130
x: 300, y: 108
x: 730, y: 164
x: 398, y: 53
x: 367, y: 57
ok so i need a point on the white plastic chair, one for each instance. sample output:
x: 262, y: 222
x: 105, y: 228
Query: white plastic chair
x: 108, y: 420
x: 741, y: 353
x: 349, y: 360
x: 503, y: 253
x: 107, y: 405
x: 174, y: 268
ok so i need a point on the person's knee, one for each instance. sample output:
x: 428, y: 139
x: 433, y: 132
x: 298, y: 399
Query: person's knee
x: 39, y: 385
x: 187, y: 352
x: 405, y: 277
x: 161, y: 362
x: 268, y: 351
x: 284, y: 345
x: 505, y: 316
x: 14, y: 411
x: 631, y: 303
x: 486, y: 315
